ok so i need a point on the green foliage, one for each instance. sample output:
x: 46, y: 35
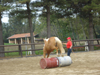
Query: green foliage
x: 40, y: 27
x: 23, y: 1
x: 63, y: 29
x: 77, y: 29
x: 5, y: 5
x: 3, y: 8
x: 19, y: 13
x: 9, y: 44
x: 60, y: 10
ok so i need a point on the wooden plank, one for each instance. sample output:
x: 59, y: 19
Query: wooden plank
x: 21, y: 44
x: 9, y: 51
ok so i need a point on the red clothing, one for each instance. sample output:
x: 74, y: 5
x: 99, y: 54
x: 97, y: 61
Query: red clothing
x: 69, y: 44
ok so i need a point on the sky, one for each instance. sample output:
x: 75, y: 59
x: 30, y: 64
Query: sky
x: 5, y: 19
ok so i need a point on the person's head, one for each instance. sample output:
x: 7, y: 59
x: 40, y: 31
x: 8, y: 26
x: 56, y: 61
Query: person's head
x: 69, y: 38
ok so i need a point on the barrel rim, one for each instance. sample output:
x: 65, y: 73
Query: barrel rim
x: 45, y: 61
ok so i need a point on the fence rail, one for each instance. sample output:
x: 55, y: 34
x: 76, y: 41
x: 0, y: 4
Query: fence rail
x: 75, y: 46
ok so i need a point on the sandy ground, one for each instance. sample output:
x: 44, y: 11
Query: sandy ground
x: 84, y: 63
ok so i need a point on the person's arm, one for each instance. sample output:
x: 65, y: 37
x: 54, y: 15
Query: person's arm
x: 64, y: 43
x: 70, y: 46
x: 72, y: 49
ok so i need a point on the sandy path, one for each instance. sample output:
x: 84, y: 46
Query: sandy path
x: 84, y: 63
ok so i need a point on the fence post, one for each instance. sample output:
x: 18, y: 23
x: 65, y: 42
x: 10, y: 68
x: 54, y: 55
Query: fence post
x: 98, y: 41
x: 88, y: 44
x: 20, y: 50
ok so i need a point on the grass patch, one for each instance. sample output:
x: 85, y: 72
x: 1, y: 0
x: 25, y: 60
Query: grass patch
x: 40, y: 52
x: 15, y: 53
x: 9, y: 44
x: 96, y: 48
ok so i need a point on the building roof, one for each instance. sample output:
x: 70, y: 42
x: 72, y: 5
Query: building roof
x: 20, y: 35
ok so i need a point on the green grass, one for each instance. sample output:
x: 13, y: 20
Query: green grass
x: 96, y: 48
x: 14, y: 54
x: 9, y: 44
x: 40, y: 52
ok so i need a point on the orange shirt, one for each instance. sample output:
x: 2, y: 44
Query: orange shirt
x: 69, y: 44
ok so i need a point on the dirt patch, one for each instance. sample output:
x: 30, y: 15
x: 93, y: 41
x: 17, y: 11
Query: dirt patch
x: 84, y: 63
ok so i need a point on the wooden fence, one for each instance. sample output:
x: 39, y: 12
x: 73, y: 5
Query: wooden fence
x: 76, y: 44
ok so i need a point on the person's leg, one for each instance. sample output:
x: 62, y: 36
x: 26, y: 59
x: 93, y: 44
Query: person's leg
x: 69, y: 52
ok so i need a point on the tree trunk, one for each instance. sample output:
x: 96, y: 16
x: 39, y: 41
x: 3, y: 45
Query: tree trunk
x: 31, y: 27
x: 91, y: 32
x: 48, y: 22
x: 1, y: 39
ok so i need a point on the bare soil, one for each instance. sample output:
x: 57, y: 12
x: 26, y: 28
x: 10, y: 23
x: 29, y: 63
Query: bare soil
x: 84, y: 63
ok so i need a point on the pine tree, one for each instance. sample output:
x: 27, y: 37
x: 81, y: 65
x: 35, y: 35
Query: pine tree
x: 4, y: 5
x: 47, y: 11
x: 85, y: 9
x: 21, y: 13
